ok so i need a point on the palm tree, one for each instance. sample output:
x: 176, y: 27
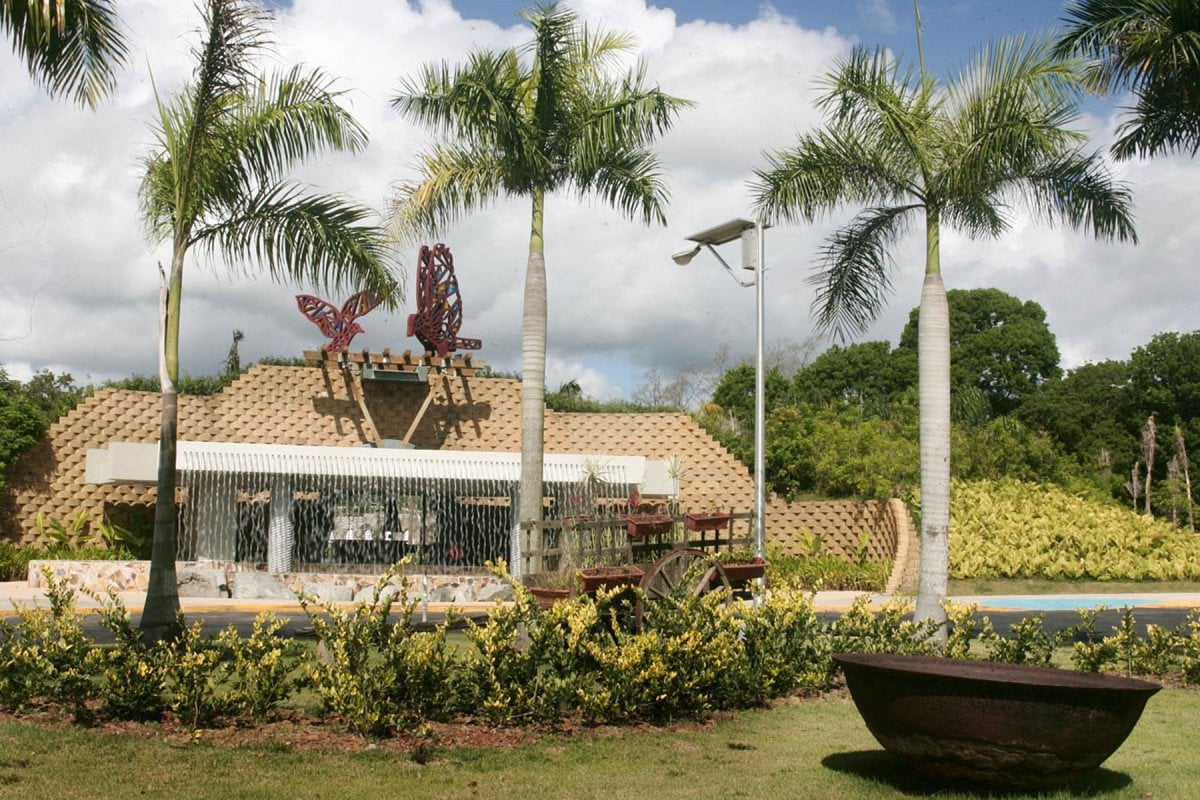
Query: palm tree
x: 215, y: 180
x: 910, y: 150
x: 529, y: 127
x: 70, y: 46
x: 1151, y: 47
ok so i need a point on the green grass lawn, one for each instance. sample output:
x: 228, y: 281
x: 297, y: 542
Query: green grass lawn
x: 816, y: 749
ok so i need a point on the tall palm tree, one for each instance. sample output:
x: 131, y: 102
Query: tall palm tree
x: 70, y: 46
x: 529, y: 127
x: 215, y: 180
x: 1151, y: 47
x: 910, y: 150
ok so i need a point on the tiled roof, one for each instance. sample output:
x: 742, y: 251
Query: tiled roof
x: 310, y: 405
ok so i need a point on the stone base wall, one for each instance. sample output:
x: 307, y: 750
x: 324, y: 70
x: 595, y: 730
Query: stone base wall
x: 224, y: 580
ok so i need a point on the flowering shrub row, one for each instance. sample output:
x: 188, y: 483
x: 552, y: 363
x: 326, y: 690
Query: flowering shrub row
x: 375, y: 673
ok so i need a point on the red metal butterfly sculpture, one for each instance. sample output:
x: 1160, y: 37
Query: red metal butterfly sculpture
x: 439, y: 304
x: 338, y: 325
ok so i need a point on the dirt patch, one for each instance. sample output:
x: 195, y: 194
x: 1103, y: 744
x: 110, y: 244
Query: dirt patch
x: 299, y: 732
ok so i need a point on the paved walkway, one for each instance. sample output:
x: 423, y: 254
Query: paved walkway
x: 16, y: 594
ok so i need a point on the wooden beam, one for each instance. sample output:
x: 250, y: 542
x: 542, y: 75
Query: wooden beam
x: 420, y: 415
x: 354, y: 379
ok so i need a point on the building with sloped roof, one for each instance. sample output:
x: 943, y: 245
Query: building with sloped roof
x: 334, y: 408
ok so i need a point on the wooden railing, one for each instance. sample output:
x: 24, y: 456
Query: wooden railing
x: 564, y: 543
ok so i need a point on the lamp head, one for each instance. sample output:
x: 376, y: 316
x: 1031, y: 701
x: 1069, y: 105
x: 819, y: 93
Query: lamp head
x: 685, y: 256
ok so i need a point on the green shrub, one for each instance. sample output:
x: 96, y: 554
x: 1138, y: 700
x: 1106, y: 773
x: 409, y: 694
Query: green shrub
x: 375, y: 674
x: 261, y: 668
x: 785, y: 645
x: 195, y: 672
x: 826, y: 571
x: 1028, y: 644
x: 1010, y: 529
x: 45, y: 656
x: 130, y: 674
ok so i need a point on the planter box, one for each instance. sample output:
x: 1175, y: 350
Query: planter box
x: 648, y: 524
x: 594, y: 578
x: 546, y: 598
x: 740, y: 573
x: 707, y: 522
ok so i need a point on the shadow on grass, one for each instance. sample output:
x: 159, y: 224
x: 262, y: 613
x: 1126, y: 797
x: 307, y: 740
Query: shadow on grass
x: 883, y: 767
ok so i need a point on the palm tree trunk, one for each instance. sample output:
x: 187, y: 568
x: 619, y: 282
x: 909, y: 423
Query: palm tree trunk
x: 160, y: 615
x: 533, y: 377
x: 933, y: 365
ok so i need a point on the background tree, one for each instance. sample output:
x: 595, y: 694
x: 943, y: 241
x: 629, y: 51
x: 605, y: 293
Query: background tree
x: 528, y: 127
x: 735, y: 393
x: 215, y: 180
x: 1151, y: 47
x: 964, y: 156
x: 998, y: 343
x: 71, y: 47
x: 867, y: 374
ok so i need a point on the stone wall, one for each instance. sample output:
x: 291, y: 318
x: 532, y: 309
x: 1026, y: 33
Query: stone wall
x: 215, y: 580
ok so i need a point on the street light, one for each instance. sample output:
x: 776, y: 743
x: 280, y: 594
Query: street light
x: 753, y: 255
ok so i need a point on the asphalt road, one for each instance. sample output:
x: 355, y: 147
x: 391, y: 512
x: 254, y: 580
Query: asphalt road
x: 298, y: 624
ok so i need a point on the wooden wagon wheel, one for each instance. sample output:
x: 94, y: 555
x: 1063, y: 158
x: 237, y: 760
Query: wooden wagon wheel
x: 676, y: 576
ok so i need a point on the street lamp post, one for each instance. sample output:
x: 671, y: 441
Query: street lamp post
x: 753, y: 257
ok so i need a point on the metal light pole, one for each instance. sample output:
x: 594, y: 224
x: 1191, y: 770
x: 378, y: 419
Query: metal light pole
x: 753, y: 258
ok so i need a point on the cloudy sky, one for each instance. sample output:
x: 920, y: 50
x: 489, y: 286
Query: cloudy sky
x: 79, y: 283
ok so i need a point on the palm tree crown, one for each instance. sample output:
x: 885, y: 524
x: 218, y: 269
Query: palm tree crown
x: 965, y: 156
x: 71, y: 46
x: 526, y: 123
x: 1151, y: 47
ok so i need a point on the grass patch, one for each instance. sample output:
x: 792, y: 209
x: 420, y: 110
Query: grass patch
x: 816, y: 749
x: 1007, y: 586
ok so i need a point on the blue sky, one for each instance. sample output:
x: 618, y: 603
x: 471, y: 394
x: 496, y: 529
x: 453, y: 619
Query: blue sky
x: 80, y: 281
x: 953, y: 28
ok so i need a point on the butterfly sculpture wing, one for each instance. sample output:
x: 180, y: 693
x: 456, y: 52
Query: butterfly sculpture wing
x: 439, y: 304
x: 337, y: 324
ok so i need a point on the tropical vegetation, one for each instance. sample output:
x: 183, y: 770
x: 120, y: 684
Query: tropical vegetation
x: 549, y: 117
x: 961, y: 156
x: 377, y: 675
x: 1152, y: 49
x: 216, y: 180
x: 72, y: 47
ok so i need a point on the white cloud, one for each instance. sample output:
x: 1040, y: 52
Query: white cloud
x: 80, y: 283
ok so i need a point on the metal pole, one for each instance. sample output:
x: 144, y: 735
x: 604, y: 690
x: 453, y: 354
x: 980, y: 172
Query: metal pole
x: 760, y: 472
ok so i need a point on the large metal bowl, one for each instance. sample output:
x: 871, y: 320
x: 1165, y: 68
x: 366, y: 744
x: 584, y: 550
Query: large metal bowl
x: 997, y: 725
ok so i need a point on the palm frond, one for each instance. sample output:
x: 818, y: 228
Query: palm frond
x: 1079, y: 190
x: 629, y: 179
x: 852, y: 281
x: 870, y: 94
x: 1165, y: 118
x: 72, y: 47
x: 321, y: 240
x: 831, y: 168
x: 454, y: 181
x: 479, y: 103
x: 286, y: 118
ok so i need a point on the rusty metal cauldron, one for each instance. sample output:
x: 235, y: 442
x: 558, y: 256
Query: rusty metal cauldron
x: 997, y: 725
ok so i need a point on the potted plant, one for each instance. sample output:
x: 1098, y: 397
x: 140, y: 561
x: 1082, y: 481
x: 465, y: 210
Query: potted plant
x: 639, y: 525
x: 711, y: 520
x: 741, y: 566
x: 618, y: 575
x: 549, y: 588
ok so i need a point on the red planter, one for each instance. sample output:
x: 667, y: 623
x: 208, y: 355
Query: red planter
x: 739, y: 573
x: 715, y: 521
x: 648, y: 524
x: 594, y: 578
x: 546, y: 598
